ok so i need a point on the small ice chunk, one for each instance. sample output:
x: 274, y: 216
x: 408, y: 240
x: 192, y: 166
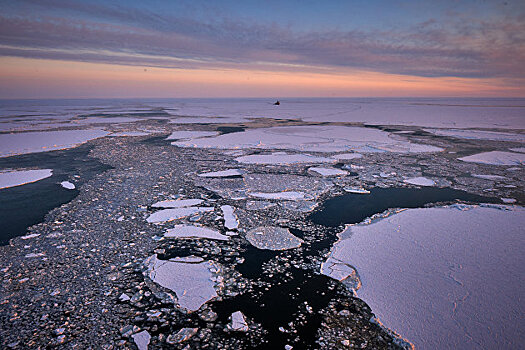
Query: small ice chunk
x: 68, y: 185
x: 190, y: 231
x: 285, y: 195
x: 179, y: 203
x: 419, y: 181
x: 124, y: 297
x: 328, y: 171
x: 142, y: 340
x: 273, y: 238
x: 508, y: 200
x: 496, y: 158
x: 188, y: 134
x: 22, y: 177
x: 230, y: 219
x: 347, y: 156
x: 238, y: 322
x: 489, y: 177
x: 223, y: 173
x: 174, y: 214
x: 259, y: 205
x: 283, y: 158
x: 34, y: 255
x: 356, y: 190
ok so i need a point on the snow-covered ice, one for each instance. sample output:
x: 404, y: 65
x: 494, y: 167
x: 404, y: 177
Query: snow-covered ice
x: 328, y: 171
x: 174, y: 214
x: 489, y: 177
x: 285, y: 195
x: 518, y: 149
x: 68, y: 185
x: 188, y: 134
x: 347, y: 156
x: 192, y: 283
x: 446, y: 277
x: 191, y: 231
x: 420, y: 181
x: 496, y: 158
x: 142, y: 340
x: 21, y: 177
x: 273, y: 238
x: 230, y: 219
x: 223, y: 173
x: 238, y: 322
x: 478, y: 134
x: 129, y: 134
x: 356, y: 190
x: 31, y: 142
x: 179, y: 203
x: 283, y: 158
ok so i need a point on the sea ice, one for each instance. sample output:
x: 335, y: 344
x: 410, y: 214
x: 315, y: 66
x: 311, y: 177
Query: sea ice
x: 273, y: 238
x: 142, y: 340
x: 285, y: 195
x: 508, y: 200
x: 21, y: 177
x: 187, y: 134
x: 230, y: 219
x: 31, y: 142
x: 192, y: 283
x: 283, y: 158
x: 238, y: 322
x: 478, y: 134
x: 129, y: 134
x: 68, y: 185
x: 489, y: 177
x: 356, y: 190
x: 328, y: 171
x: 518, y: 149
x: 347, y: 156
x: 496, y: 158
x: 431, y: 274
x: 223, y: 173
x: 174, y: 214
x: 179, y: 203
x: 259, y: 205
x: 420, y: 181
x: 190, y: 231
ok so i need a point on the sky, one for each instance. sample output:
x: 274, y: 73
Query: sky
x: 84, y: 49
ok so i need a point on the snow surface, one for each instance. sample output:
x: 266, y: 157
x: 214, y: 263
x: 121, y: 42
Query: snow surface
x: 420, y: 181
x: 478, y: 134
x: 285, y: 195
x: 174, y: 214
x: 432, y: 274
x: 283, y: 158
x: 496, y: 158
x: 142, y: 340
x: 179, y: 203
x: 192, y: 283
x: 230, y: 219
x: 188, y: 134
x: 328, y: 171
x: 190, y: 231
x: 273, y: 238
x: 311, y: 138
x: 21, y: 177
x: 31, y: 142
x: 68, y: 185
x: 223, y: 173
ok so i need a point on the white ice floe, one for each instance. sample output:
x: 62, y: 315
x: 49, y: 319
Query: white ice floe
x: 31, y: 142
x: 129, y: 134
x: 142, y: 340
x: 192, y: 283
x: 496, y: 158
x: 259, y: 205
x: 420, y: 181
x: 478, y: 134
x: 238, y: 322
x: 179, y: 203
x: 508, y: 200
x: 67, y: 185
x: 223, y: 173
x: 489, y: 177
x: 429, y: 272
x: 190, y: 231
x: 273, y: 238
x: 230, y: 219
x: 283, y: 158
x: 518, y: 149
x: 285, y: 195
x: 328, y: 171
x: 356, y: 190
x: 312, y: 138
x: 174, y: 214
x: 187, y: 259
x: 347, y: 156
x: 186, y: 134
x: 21, y: 177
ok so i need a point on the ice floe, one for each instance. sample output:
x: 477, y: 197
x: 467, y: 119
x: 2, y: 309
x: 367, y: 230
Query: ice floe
x: 259, y: 205
x: 142, y: 340
x: 184, y: 134
x: 230, y: 219
x: 192, y: 283
x: 328, y: 171
x: 190, y: 231
x: 496, y: 158
x: 285, y: 195
x: 68, y: 185
x: 223, y: 173
x: 431, y: 272
x: 478, y: 134
x: 283, y: 158
x: 347, y: 156
x: 508, y: 200
x: 21, y: 177
x: 179, y: 203
x: 174, y: 214
x: 489, y: 177
x: 238, y: 322
x: 518, y: 149
x: 273, y: 238
x: 129, y: 134
x: 356, y: 190
x: 420, y: 181
x: 31, y: 142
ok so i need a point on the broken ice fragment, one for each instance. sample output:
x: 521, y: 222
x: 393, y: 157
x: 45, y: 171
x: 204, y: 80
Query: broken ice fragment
x: 420, y: 181
x: 285, y: 195
x: 190, y: 231
x: 238, y: 322
x: 68, y: 185
x: 283, y: 158
x: 230, y: 219
x: 21, y: 177
x: 174, y: 214
x: 180, y: 203
x: 223, y: 173
x: 357, y: 190
x: 496, y: 158
x: 328, y: 171
x: 273, y: 238
x: 142, y: 340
